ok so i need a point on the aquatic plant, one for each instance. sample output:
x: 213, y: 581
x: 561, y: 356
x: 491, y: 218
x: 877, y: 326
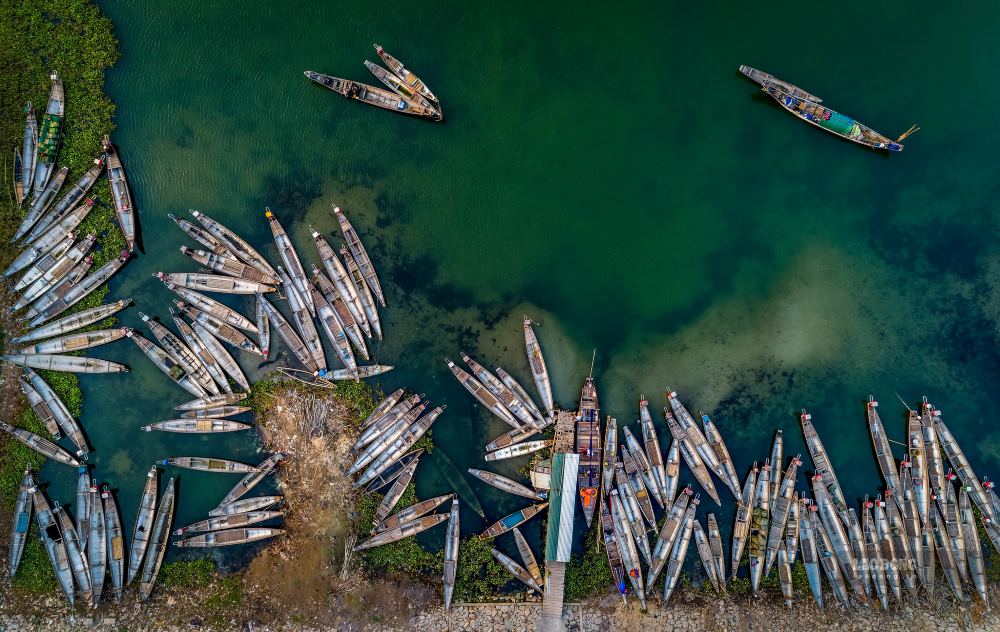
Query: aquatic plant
x: 588, y: 574
x: 405, y: 556
x: 187, y: 574
x: 478, y: 577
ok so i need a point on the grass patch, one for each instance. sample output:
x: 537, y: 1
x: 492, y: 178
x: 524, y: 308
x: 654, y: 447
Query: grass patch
x: 405, y: 556
x: 35, y: 575
x: 187, y: 574
x: 478, y: 577
x: 589, y: 574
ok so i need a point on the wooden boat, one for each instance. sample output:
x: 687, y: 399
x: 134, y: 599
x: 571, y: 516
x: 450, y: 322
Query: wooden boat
x: 809, y: 108
x: 40, y: 408
x: 115, y: 537
x: 197, y: 426
x: 539, y: 372
x: 932, y: 449
x: 263, y: 327
x: 953, y: 529
x: 421, y: 508
x: 342, y: 281
x: 901, y: 544
x: 40, y: 203
x: 946, y: 554
x: 158, y: 540
x: 398, y: 86
x: 18, y: 178
x: 506, y: 484
x: 626, y: 546
x: 221, y: 330
x: 40, y: 444
x: 642, y: 467
x: 512, y: 437
x: 482, y: 394
x: 679, y: 551
x: 958, y: 460
x: 74, y: 321
x: 704, y: 550
x: 225, y: 399
x: 216, y: 412
x: 230, y: 537
x: 822, y: 465
x: 918, y: 466
x: 407, y: 77
x: 834, y: 529
x: 690, y: 456
x: 887, y: 550
x: 364, y: 292
x: 52, y: 538
x: 504, y: 395
x: 523, y: 396
x: 395, y: 474
x: 760, y: 521
x: 638, y: 486
x: 613, y: 550
x: 211, y: 306
x: 22, y: 521
x: 202, y: 236
x: 236, y: 244
x: 74, y: 342
x: 609, y: 456
x: 528, y: 557
x: 715, y: 441
x: 792, y: 530
x: 60, y: 268
x: 252, y: 478
x: 516, y: 570
x: 304, y: 324
x: 143, y: 524
x: 83, y: 502
x: 828, y: 560
x: 97, y: 545
x: 336, y: 301
x: 370, y: 370
x: 165, y: 363
x: 77, y: 561
x: 519, y: 449
x: 510, y: 521
x: 406, y: 408
x: 67, y: 423
x: 49, y: 240
x: 404, y: 476
x: 233, y: 521
x: 214, y: 283
x: 208, y: 464
x: 45, y: 263
x: 120, y: 195
x: 383, y: 408
x: 810, y: 554
x: 55, y: 293
x: 245, y: 505
x: 403, y: 530
x: 883, y: 452
x: 588, y: 446
x: 288, y: 336
x: 653, y: 455
x: 698, y: 440
x: 223, y: 357
x: 201, y: 353
x: 49, y: 134
x: 68, y: 201
x: 780, y: 509
x: 28, y: 151
x: 229, y: 265
x: 451, y: 545
x: 718, y: 553
x: 675, y: 519
x: 973, y: 546
x: 82, y: 289
x: 291, y: 260
x: 632, y: 514
x: 389, y: 435
x: 360, y: 254
x: 672, y: 470
x: 373, y: 96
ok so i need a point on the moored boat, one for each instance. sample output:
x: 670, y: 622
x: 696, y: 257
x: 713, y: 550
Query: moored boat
x: 291, y: 260
x: 506, y: 484
x: 232, y: 521
x: 68, y: 201
x: 304, y: 324
x: 18, y: 178
x: 40, y: 408
x: 371, y: 95
x: 539, y: 372
x: 165, y: 363
x: 120, y: 195
x: 417, y: 510
x: 217, y: 328
x: 760, y: 521
x: 263, y: 327
x: 519, y: 449
x: 218, y: 351
x: 212, y: 307
x: 230, y: 537
x: 654, y: 455
x: 82, y: 289
x: 217, y: 283
x: 40, y: 202
x: 252, y: 478
x: 512, y: 520
x: 208, y: 464
x: 40, y: 444
x: 523, y: 395
x: 204, y: 357
x: 49, y: 134
x: 97, y: 545
x: 245, y: 505
x: 28, y: 151
x: 143, y: 524
x: 613, y: 550
x: 690, y: 456
x: 197, y: 426
x: 383, y: 407
x: 675, y: 519
x: 516, y: 570
x: 74, y: 321
x: 288, y: 335
x: 74, y: 551
x: 216, y: 412
x: 115, y: 537
x: 403, y: 478
x: 225, y: 399
x: 395, y: 474
x: 342, y: 281
x: 628, y: 508
x: 344, y: 315
x: 482, y: 394
x: 822, y: 465
x: 451, y: 546
x: 234, y: 243
x: 399, y: 86
x: 588, y: 446
x: 410, y: 79
x: 714, y: 438
x: 52, y: 267
x: 22, y: 521
x: 403, y: 530
x: 158, y: 540
x: 369, y: 370
x: 56, y: 291
x: 780, y: 509
x: 360, y: 254
x: 626, y: 547
x: 407, y: 409
x: 229, y: 265
x: 74, y: 342
x: 679, y: 551
x: 52, y: 539
x: 512, y: 437
x: 333, y: 329
x: 67, y: 423
x: 202, y: 236
x: 65, y: 363
x: 704, y: 550
x: 504, y: 395
x: 364, y: 292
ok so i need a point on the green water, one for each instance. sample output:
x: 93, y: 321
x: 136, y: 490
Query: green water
x: 606, y: 170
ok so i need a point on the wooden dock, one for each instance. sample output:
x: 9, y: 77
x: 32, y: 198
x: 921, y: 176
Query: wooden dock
x: 559, y: 534
x: 565, y: 441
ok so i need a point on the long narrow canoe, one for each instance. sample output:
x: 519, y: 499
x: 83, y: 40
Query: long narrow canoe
x: 372, y: 96
x: 165, y: 363
x: 55, y: 293
x: 223, y: 331
x: 404, y: 476
x: 50, y: 134
x: 59, y: 269
x: 510, y: 521
x: 370, y: 370
x: 45, y: 263
x: 208, y: 464
x: 421, y: 508
x: 158, y: 540
x: 143, y: 524
x: 68, y: 424
x: 527, y: 556
x: 197, y: 426
x: 506, y: 484
x: 74, y: 551
x: 233, y: 521
x: 397, y: 449
x: 18, y: 178
x: 613, y: 550
x: 643, y: 468
x: 405, y: 75
x: 741, y: 526
x: 451, y: 545
x: 520, y: 449
x: 211, y: 306
x: 22, y: 521
x: 214, y: 283
x: 360, y: 254
x: 291, y: 260
x: 609, y: 455
x: 40, y: 202
x: 500, y: 391
x: 74, y: 321
x: 181, y: 354
x: 632, y: 513
x: 627, y: 548
x: 28, y: 150
x: 201, y: 235
x: 883, y: 452
x: 120, y: 195
x: 52, y: 538
x: 115, y: 537
x: 304, y: 322
x: 205, y: 358
x: 704, y: 550
x: 398, y: 86
x: 403, y: 530
x: 344, y: 315
x: 222, y: 356
x: 263, y: 327
x: 251, y: 480
x: 482, y: 394
x: 216, y: 412
x: 83, y: 289
x: 522, y: 394
x: 654, y: 455
x: 337, y: 273
x: 364, y: 292
x: 516, y: 570
x: 216, y: 400
x: 714, y: 438
x: 407, y: 411
x: 74, y: 342
x: 821, y: 461
x: 332, y: 328
x: 40, y: 408
x: 230, y: 266
x: 511, y: 438
x: 388, y: 435
x: 40, y: 444
x: 539, y: 372
x: 68, y: 201
x: 97, y: 544
x: 288, y: 335
x: 83, y: 503
x: 245, y: 505
x: 230, y: 537
x: 395, y: 473
x: 236, y: 244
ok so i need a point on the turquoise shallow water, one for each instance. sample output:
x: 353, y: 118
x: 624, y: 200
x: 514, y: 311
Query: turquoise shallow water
x: 608, y: 171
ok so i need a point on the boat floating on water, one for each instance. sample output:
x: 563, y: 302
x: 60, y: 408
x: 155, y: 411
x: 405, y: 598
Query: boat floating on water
x: 230, y: 537
x: 65, y: 363
x: 208, y: 464
x: 231, y: 521
x: 245, y: 505
x: 371, y: 95
x: 197, y: 426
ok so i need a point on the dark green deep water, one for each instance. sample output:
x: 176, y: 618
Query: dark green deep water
x: 605, y: 169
